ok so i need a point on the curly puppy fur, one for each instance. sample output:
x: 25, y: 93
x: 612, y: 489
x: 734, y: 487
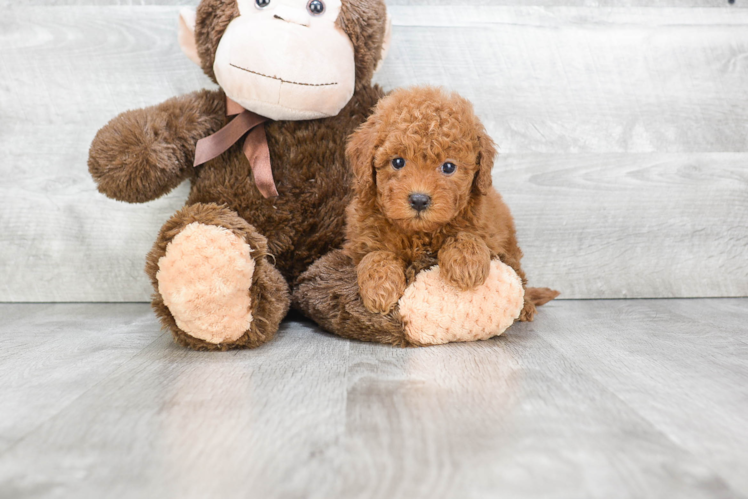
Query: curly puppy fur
x: 143, y: 154
x: 465, y: 224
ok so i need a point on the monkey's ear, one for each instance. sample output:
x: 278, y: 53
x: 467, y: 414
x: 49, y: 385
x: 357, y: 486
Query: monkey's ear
x: 486, y: 155
x: 187, y: 20
x: 386, y: 41
x: 360, y: 155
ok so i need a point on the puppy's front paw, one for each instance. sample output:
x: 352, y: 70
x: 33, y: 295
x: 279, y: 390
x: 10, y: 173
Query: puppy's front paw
x: 381, y: 282
x: 466, y: 263
x: 381, y: 298
x: 466, y: 275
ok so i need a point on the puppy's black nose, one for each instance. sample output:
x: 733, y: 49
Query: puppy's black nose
x: 419, y: 201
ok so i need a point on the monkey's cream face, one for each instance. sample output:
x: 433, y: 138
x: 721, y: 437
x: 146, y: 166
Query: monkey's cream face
x: 287, y: 59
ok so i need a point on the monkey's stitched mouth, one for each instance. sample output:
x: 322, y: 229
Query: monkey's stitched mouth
x: 282, y: 80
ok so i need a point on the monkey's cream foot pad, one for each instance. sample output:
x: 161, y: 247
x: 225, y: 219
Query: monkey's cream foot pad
x: 435, y: 312
x: 204, y: 279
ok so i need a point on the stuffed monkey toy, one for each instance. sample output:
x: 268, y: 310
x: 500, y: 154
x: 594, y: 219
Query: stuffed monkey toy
x: 265, y: 156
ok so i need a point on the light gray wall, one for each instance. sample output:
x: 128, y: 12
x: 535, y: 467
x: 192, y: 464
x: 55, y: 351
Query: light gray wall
x: 623, y: 136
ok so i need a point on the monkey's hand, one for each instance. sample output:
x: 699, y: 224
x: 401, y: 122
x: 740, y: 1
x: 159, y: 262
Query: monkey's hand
x: 381, y: 281
x: 143, y: 154
x: 464, y: 261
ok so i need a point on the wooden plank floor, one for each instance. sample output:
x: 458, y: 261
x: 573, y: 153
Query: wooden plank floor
x: 595, y: 398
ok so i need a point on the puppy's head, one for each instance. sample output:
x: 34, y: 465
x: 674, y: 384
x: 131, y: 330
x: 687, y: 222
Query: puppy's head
x: 421, y: 157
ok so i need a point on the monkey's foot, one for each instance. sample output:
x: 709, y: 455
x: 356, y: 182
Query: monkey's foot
x: 214, y: 288
x: 429, y: 312
x: 434, y: 312
x: 204, y: 279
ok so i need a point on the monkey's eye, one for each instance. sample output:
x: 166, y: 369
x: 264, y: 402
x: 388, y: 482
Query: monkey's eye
x: 398, y: 163
x: 448, y: 168
x: 261, y: 4
x: 316, y: 7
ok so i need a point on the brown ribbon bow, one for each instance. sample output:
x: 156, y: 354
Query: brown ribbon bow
x: 255, y: 145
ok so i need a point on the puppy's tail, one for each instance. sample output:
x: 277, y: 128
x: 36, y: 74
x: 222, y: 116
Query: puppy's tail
x: 540, y: 296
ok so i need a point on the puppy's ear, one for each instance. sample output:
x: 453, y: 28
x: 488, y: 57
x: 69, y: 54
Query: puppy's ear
x: 486, y: 154
x: 362, y: 146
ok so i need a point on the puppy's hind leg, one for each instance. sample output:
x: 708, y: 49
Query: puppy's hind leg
x: 540, y: 296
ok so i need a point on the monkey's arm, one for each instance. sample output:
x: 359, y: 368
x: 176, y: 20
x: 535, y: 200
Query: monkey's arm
x: 145, y: 153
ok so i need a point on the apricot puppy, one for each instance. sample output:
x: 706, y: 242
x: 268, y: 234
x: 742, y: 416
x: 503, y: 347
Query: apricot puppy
x: 423, y: 195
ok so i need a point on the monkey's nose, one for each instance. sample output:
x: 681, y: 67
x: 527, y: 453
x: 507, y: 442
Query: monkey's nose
x: 419, y: 201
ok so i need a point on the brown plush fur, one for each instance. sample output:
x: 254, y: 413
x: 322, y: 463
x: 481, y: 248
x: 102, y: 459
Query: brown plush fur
x: 142, y: 154
x: 328, y: 293
x: 145, y: 153
x: 466, y: 224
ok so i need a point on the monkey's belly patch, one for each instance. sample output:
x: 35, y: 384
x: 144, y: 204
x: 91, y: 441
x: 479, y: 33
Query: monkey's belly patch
x: 204, y: 279
x: 434, y: 312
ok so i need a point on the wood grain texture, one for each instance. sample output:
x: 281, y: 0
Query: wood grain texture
x: 66, y: 72
x: 653, y: 368
x: 631, y: 224
x: 553, y: 3
x: 487, y: 3
x: 50, y: 355
x: 636, y: 398
x: 103, y: 3
x: 622, y: 131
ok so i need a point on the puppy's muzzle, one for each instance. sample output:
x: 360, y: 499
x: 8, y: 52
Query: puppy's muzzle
x: 419, y: 201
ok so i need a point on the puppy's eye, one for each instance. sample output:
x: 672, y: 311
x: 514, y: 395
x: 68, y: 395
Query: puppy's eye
x: 261, y: 4
x: 448, y: 168
x: 398, y: 163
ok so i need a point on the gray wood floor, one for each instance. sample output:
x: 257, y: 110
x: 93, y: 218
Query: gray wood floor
x: 596, y: 398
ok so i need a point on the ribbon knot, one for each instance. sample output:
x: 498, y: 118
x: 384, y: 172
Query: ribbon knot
x: 255, y: 145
